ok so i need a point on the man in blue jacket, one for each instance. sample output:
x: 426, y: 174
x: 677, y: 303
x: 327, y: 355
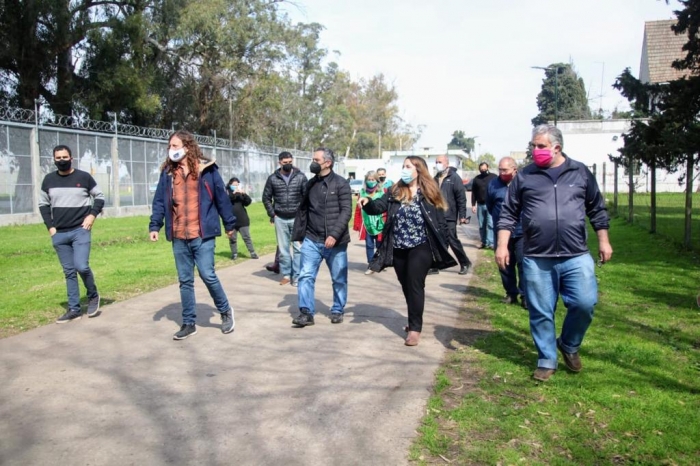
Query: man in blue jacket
x: 552, y: 198
x: 495, y: 195
x: 189, y: 200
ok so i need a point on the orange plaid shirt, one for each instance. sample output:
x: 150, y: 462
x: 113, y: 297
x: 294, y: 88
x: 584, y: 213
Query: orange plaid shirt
x: 185, y: 205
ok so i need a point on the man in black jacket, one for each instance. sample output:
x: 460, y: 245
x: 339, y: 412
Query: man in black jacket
x: 552, y: 197
x: 453, y: 191
x: 282, y: 195
x: 479, y: 192
x: 322, y: 226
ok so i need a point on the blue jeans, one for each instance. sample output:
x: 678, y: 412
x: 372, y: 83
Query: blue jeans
x: 189, y: 253
x: 512, y: 276
x: 545, y: 279
x: 290, y: 265
x: 336, y: 258
x: 485, y: 225
x: 73, y: 249
x: 371, y: 243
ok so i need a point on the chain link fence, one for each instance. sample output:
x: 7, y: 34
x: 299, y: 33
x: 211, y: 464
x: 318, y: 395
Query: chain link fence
x: 125, y: 161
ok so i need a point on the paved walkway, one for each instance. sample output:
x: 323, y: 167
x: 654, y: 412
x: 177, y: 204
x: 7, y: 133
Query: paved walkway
x: 118, y: 390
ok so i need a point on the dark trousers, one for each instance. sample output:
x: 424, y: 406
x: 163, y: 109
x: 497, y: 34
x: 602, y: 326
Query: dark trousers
x: 411, y: 266
x: 513, y: 281
x: 456, y: 245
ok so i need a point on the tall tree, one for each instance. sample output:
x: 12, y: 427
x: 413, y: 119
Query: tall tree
x: 461, y: 141
x: 563, y: 95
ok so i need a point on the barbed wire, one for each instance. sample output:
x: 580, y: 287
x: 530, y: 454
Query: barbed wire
x: 24, y: 115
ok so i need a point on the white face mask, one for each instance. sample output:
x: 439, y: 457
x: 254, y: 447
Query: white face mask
x: 439, y: 166
x: 177, y: 154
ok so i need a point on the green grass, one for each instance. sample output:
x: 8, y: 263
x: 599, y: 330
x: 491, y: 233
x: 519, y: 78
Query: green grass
x: 670, y: 214
x: 636, y: 401
x: 125, y: 263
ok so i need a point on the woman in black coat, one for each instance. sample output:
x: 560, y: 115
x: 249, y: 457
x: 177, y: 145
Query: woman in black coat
x: 240, y: 200
x: 414, y: 236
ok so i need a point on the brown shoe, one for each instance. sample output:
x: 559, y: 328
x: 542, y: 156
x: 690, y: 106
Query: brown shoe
x: 572, y: 360
x: 285, y: 281
x: 412, y: 339
x: 543, y: 374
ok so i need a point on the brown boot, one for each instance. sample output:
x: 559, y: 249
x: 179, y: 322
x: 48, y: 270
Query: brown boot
x: 412, y: 339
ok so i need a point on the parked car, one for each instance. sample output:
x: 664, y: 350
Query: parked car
x: 355, y: 186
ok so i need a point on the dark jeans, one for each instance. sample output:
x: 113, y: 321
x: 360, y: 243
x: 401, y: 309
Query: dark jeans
x: 512, y: 276
x: 456, y: 245
x: 411, y: 266
x: 372, y: 243
x: 73, y: 249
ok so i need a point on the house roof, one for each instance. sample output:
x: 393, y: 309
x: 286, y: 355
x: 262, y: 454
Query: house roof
x: 660, y: 48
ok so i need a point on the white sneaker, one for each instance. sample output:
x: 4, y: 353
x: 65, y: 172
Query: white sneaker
x: 369, y: 272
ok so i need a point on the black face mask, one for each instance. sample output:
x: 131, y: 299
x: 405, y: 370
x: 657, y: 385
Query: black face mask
x: 63, y: 165
x: 382, y: 179
x: 483, y: 172
x: 315, y: 168
x: 286, y: 167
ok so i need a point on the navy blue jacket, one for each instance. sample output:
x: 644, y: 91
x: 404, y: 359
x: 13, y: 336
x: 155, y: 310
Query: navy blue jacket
x: 496, y: 193
x: 213, y: 203
x: 554, y: 214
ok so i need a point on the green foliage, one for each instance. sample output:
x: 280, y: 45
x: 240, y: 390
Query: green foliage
x: 237, y: 67
x: 461, y: 141
x: 562, y: 89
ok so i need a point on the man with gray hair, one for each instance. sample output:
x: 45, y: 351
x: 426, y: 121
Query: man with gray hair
x: 552, y: 197
x: 321, y: 224
x: 495, y: 195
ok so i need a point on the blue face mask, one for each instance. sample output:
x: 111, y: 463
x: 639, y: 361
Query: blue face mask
x: 407, y: 175
x: 233, y: 187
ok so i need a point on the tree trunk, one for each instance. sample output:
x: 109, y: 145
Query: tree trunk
x: 652, y: 170
x: 689, y: 201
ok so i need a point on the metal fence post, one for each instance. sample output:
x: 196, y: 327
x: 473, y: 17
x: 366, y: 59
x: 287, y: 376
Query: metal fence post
x: 36, y: 168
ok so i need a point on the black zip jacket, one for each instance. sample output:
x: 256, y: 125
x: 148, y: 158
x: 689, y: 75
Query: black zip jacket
x: 453, y: 191
x: 436, y: 231
x: 334, y: 191
x: 554, y: 214
x: 240, y: 201
x: 282, y: 199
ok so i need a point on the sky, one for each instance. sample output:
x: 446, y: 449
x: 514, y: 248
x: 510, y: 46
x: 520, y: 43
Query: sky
x: 467, y: 65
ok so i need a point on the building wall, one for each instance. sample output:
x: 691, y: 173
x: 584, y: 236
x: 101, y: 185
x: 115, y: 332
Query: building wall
x: 591, y: 142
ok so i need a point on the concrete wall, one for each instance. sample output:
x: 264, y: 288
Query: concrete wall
x: 590, y: 142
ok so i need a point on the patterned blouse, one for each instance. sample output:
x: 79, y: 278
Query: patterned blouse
x: 409, y: 230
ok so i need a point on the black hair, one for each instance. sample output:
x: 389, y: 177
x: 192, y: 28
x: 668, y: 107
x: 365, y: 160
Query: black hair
x: 284, y: 155
x: 61, y: 147
x: 233, y: 178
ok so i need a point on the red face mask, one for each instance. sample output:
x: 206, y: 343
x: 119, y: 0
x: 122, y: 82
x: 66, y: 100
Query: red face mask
x: 506, y: 177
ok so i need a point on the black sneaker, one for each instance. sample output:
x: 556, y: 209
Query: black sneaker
x: 433, y: 271
x: 68, y: 316
x: 303, y: 320
x: 336, y: 318
x: 510, y: 299
x: 93, y: 306
x: 254, y: 256
x: 185, y: 331
x: 234, y: 257
x: 464, y: 270
x: 227, y: 322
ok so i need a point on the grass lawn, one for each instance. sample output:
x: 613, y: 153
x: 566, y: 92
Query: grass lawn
x: 670, y: 214
x: 125, y: 263
x: 635, y: 402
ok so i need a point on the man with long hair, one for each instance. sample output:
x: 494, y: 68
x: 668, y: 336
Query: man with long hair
x: 189, y: 200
